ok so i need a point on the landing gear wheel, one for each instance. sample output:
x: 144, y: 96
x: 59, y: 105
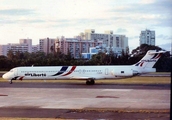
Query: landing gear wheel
x: 11, y: 81
x: 90, y: 82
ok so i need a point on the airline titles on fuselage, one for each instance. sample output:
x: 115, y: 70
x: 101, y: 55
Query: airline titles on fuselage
x: 35, y: 75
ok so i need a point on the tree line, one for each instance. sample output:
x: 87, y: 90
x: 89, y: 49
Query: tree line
x: 59, y: 59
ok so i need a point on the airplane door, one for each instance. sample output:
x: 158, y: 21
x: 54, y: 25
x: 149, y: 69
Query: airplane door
x: 106, y: 71
x: 15, y: 72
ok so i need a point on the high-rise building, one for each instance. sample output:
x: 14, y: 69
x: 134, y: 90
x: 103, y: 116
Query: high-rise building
x: 28, y: 42
x: 3, y: 50
x: 75, y: 46
x: 147, y: 37
x: 116, y: 43
x: 24, y: 45
x: 16, y: 47
x: 47, y: 45
x: 35, y: 48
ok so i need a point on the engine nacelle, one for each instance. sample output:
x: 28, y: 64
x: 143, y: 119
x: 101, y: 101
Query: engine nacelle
x: 123, y: 72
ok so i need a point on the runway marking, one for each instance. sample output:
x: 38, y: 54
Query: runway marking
x: 106, y: 97
x: 122, y: 90
x: 3, y: 95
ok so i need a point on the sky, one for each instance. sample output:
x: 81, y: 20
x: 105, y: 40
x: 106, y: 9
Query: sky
x: 37, y: 19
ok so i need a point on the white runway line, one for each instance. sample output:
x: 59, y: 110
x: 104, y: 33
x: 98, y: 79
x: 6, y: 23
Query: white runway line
x: 120, y: 90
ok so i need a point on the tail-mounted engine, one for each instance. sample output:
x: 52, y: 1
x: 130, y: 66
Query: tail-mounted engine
x: 124, y: 72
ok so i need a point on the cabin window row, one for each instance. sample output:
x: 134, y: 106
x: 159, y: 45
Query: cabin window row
x: 63, y: 71
x: 87, y: 71
x: 37, y: 71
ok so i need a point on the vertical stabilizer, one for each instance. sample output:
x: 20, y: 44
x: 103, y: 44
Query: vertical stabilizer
x: 149, y: 60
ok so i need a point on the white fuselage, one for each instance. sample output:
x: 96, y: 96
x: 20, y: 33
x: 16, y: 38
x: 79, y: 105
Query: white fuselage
x: 88, y: 73
x: 72, y: 72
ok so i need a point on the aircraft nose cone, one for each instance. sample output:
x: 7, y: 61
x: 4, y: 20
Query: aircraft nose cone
x: 4, y: 76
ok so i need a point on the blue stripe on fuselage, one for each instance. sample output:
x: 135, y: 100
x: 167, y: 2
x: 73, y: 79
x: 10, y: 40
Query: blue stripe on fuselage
x: 62, y: 70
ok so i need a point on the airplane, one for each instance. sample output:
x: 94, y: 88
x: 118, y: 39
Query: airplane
x: 88, y: 73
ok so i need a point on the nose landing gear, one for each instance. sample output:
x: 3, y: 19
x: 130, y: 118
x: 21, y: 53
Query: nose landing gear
x: 11, y: 81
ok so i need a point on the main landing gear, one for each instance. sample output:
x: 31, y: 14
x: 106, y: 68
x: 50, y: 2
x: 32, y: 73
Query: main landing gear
x: 90, y: 82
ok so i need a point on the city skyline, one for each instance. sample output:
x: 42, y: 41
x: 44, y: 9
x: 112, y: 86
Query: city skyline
x: 41, y: 19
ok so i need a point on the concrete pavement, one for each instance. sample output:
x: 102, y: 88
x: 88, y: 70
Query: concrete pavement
x: 18, y: 98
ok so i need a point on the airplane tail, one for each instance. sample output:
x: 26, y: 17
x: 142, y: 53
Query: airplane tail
x: 149, y: 60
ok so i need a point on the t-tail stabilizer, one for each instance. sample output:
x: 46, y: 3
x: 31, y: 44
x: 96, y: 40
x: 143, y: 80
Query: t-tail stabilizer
x: 148, y: 61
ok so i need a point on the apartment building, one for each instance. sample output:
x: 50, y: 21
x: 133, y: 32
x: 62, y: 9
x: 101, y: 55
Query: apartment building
x: 28, y: 42
x: 3, y: 50
x: 24, y: 45
x: 147, y: 37
x: 47, y: 45
x: 16, y: 47
x: 35, y: 48
x: 111, y: 41
x: 75, y: 46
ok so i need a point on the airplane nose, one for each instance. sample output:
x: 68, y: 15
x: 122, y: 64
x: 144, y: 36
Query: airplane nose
x: 4, y: 76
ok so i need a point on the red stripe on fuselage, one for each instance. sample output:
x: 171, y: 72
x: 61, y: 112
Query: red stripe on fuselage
x: 21, y: 78
x: 141, y: 64
x: 71, y: 70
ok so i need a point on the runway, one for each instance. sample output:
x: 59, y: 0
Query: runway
x: 49, y: 99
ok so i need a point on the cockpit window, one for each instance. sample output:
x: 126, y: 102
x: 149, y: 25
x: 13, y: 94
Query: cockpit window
x: 11, y: 70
